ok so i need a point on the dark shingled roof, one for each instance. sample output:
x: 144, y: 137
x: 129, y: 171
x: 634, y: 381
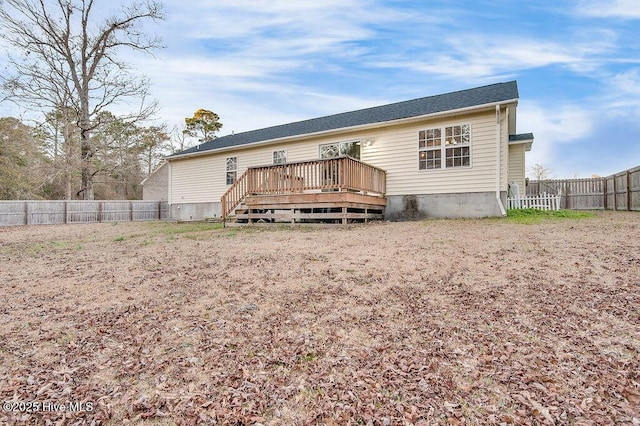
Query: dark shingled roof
x: 414, y: 108
x: 521, y: 137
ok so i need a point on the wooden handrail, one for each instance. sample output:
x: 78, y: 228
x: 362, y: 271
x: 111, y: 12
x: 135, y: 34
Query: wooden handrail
x: 337, y: 174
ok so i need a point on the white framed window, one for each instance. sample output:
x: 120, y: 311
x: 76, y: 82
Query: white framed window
x: 339, y: 149
x: 280, y: 156
x: 430, y: 149
x: 232, y: 170
x: 438, y: 152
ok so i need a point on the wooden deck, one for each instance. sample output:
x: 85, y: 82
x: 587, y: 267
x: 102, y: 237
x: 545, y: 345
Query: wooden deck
x: 339, y: 190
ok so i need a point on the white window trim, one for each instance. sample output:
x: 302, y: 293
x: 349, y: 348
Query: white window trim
x: 338, y: 143
x: 286, y: 156
x: 226, y: 170
x: 443, y: 148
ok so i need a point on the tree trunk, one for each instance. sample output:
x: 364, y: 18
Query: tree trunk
x: 67, y: 187
x: 68, y: 157
x: 86, y: 153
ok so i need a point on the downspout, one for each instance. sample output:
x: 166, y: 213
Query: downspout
x: 498, y: 158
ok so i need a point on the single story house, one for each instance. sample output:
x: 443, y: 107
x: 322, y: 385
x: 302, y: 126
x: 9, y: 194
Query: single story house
x: 450, y: 155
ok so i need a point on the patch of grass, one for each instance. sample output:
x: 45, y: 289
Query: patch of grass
x: 529, y: 216
x: 119, y: 239
x: 167, y: 228
x: 309, y: 357
x: 35, y: 249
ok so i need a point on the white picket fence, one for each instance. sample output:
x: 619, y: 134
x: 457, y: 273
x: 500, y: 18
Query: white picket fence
x: 540, y: 202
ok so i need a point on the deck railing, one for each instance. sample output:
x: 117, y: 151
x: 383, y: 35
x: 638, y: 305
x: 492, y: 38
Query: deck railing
x: 334, y: 174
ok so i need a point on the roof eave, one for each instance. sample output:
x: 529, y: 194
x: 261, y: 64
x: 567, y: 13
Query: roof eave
x: 346, y: 129
x: 526, y: 142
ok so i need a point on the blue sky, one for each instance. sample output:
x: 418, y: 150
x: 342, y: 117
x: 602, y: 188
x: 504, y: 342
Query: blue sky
x: 259, y: 63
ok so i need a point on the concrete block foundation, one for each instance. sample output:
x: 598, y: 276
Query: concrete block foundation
x: 440, y: 206
x: 399, y: 207
x: 185, y: 212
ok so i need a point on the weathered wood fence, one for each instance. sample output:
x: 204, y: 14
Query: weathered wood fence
x: 620, y: 191
x: 31, y: 212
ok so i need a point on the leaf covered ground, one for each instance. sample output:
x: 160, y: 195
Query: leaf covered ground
x: 436, y: 322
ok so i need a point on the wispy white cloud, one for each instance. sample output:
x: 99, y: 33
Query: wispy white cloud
x: 553, y: 126
x: 220, y: 50
x: 622, y: 95
x: 281, y: 27
x: 477, y: 57
x: 628, y: 83
x: 626, y: 9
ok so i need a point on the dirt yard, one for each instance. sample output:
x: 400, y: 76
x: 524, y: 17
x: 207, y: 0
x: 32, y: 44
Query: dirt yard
x: 436, y: 322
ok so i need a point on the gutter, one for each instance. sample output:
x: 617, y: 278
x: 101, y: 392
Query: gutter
x: 498, y: 158
x: 368, y: 126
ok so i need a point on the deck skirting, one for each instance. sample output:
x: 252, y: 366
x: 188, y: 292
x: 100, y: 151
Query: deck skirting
x: 320, y: 207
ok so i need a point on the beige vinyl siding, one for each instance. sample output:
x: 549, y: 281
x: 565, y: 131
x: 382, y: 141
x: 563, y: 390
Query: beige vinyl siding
x: 394, y: 149
x: 203, y: 179
x: 517, y: 166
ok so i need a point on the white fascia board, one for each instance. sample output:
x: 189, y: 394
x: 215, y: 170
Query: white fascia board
x: 368, y: 126
x: 526, y: 142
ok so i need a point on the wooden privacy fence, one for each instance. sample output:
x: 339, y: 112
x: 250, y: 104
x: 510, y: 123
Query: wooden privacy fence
x: 334, y: 174
x: 539, y: 202
x: 49, y: 212
x: 620, y: 191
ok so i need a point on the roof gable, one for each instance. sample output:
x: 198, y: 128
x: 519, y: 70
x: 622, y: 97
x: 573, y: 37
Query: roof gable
x: 381, y: 114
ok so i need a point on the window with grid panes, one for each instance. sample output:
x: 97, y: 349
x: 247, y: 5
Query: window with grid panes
x: 232, y: 170
x: 444, y: 147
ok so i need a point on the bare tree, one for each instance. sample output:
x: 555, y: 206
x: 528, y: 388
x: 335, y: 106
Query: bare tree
x: 179, y: 139
x: 539, y: 172
x: 23, y: 166
x: 62, y: 137
x: 70, y: 61
x: 153, y: 142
